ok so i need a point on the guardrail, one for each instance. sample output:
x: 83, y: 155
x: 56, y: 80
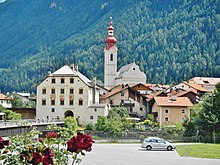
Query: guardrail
x: 16, y: 128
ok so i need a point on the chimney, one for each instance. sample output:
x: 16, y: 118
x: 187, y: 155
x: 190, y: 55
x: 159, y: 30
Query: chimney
x: 72, y: 66
x: 93, y: 90
x: 49, y: 73
x: 76, y: 67
x: 173, y: 97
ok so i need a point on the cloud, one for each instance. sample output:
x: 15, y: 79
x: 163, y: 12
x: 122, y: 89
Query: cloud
x: 1, y: 1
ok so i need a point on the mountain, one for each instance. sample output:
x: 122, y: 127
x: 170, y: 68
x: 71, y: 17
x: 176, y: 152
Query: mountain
x: 171, y: 40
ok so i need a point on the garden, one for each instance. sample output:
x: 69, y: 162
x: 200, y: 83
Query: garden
x: 54, y: 146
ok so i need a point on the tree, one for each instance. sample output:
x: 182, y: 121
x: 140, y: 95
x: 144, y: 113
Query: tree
x: 209, y: 117
x: 70, y: 123
x: 10, y: 115
x: 101, y: 123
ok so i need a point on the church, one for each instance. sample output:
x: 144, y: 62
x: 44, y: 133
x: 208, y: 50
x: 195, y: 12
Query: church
x: 128, y: 74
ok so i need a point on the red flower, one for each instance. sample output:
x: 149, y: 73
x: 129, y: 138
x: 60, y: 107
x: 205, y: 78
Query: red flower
x: 46, y: 157
x: 79, y: 143
x: 51, y: 135
x: 36, y: 158
x: 3, y: 142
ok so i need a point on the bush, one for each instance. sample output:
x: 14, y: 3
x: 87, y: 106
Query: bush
x: 70, y: 123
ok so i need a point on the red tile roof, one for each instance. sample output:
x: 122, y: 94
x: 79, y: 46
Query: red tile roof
x: 112, y: 93
x: 3, y: 97
x: 197, y: 87
x: 181, y: 93
x: 168, y: 102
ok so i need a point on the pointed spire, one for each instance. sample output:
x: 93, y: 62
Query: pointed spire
x: 110, y: 26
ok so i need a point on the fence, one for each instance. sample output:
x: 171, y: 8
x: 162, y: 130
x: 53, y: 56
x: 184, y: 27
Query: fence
x: 22, y: 129
x: 137, y: 136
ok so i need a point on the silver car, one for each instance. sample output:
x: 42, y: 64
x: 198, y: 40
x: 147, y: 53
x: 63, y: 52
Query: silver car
x: 157, y: 143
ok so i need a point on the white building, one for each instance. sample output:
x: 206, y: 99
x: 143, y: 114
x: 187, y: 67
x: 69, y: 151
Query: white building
x: 67, y: 92
x: 5, y: 101
x: 127, y: 74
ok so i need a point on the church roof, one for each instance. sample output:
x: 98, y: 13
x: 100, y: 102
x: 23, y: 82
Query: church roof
x: 68, y: 71
x: 124, y: 69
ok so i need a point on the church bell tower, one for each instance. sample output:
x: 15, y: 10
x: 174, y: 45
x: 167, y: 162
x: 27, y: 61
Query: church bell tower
x: 110, y: 52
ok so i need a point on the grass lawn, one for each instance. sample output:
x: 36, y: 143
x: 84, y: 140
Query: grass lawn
x: 211, y: 151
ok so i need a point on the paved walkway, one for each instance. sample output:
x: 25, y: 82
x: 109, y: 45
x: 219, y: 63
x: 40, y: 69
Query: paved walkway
x: 133, y: 154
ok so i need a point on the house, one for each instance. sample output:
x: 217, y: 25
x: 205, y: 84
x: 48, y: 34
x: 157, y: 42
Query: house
x: 5, y: 101
x: 127, y: 74
x: 171, y: 110
x: 67, y: 92
x: 206, y: 82
x: 127, y: 97
x: 27, y: 99
x: 145, y: 89
x: 192, y: 95
x: 184, y: 86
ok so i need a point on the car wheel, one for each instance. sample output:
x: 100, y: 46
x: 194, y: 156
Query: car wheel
x: 169, y: 148
x: 148, y: 147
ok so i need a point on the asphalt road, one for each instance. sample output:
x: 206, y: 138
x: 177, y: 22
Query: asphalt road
x: 133, y: 154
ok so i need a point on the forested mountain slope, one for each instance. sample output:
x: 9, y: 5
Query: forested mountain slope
x: 171, y: 40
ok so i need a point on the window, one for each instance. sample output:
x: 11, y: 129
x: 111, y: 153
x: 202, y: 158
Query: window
x: 71, y: 90
x: 52, y: 102
x: 111, y: 102
x: 141, y: 109
x: 81, y: 91
x: 166, y: 119
x: 122, y: 93
x: 44, y: 91
x: 91, y: 117
x: 62, y: 80
x: 111, y: 57
x: 80, y: 101
x: 71, y: 80
x: 183, y: 111
x: 133, y: 68
x: 98, y: 117
x: 43, y: 102
x: 53, y: 80
x: 166, y: 111
x: 53, y: 91
x: 52, y: 109
x: 61, y: 102
x: 95, y: 110
x: 62, y: 91
x: 71, y: 102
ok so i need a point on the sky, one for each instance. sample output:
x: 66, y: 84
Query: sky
x: 2, y: 1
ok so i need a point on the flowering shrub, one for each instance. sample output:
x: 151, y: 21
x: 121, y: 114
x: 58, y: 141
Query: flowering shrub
x: 79, y: 143
x: 3, y: 143
x: 54, y: 149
